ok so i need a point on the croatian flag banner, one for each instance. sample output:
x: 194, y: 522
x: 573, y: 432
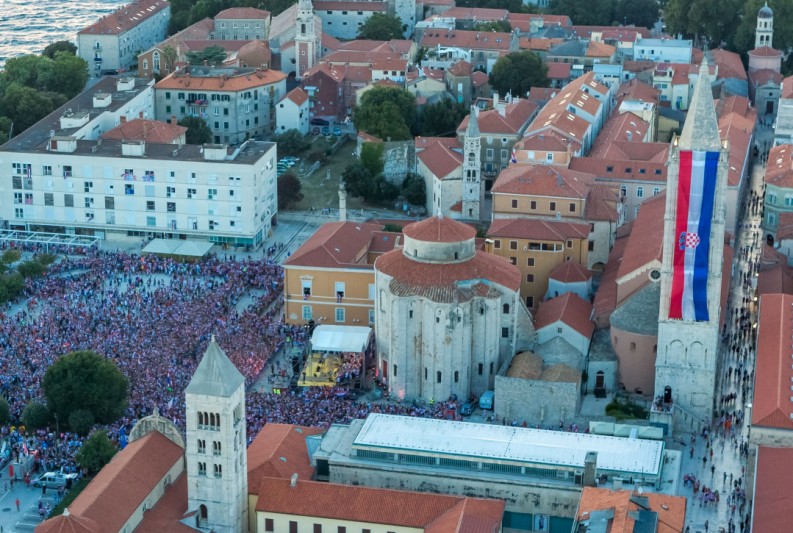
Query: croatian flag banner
x: 695, y: 197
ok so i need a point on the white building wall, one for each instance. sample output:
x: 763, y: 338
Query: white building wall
x: 343, y: 24
x: 307, y: 523
x: 242, y: 204
x: 290, y: 116
x: 558, y: 288
x: 573, y: 337
x: 666, y: 51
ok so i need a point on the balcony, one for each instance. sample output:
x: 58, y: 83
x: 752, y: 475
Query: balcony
x: 97, y: 60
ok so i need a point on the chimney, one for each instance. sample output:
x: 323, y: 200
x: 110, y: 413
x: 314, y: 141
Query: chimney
x: 173, y: 120
x: 495, y: 100
x: 293, y: 481
x: 122, y: 119
x: 590, y: 468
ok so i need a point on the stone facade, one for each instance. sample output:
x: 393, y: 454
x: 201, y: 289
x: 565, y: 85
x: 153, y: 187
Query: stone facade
x: 535, y: 401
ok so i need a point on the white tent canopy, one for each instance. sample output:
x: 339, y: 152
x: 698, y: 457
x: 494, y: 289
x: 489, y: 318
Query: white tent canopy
x: 328, y: 338
x: 178, y: 247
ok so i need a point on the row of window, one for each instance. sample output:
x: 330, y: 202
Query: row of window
x: 538, y: 246
x: 25, y: 170
x: 571, y: 207
x: 217, y: 470
x: 151, y: 221
x: 269, y: 526
x: 629, y: 170
x: 639, y: 191
x: 340, y: 314
x: 209, y: 421
x: 110, y: 202
x: 216, y: 447
x: 771, y: 199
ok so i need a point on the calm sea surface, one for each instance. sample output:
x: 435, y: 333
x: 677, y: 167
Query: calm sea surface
x: 27, y: 26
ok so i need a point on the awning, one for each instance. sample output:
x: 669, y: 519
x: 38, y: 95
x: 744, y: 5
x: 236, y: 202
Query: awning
x: 178, y: 247
x: 328, y: 338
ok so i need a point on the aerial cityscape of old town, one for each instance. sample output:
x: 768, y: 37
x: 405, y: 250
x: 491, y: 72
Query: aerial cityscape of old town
x: 397, y: 266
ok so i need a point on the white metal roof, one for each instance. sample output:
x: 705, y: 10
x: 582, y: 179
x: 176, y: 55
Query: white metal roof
x: 506, y: 443
x: 178, y: 247
x: 328, y: 338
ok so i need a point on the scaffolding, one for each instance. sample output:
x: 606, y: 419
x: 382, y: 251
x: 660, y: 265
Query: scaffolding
x: 47, y: 239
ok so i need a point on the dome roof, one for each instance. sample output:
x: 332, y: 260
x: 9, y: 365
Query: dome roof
x: 439, y: 229
x: 765, y: 12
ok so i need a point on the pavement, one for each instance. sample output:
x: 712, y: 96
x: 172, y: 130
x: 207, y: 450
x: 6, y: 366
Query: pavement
x: 27, y: 517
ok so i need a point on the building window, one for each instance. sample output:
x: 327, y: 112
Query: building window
x: 514, y: 204
x: 216, y: 447
x: 269, y: 526
x: 505, y: 309
x: 306, y: 312
x: 150, y: 205
x: 340, y: 314
x: 530, y: 261
x: 317, y: 528
x: 656, y: 190
x: 68, y: 200
x: 456, y: 376
x: 639, y: 192
x: 529, y: 278
x: 569, y: 244
x: 292, y: 526
x: 171, y: 207
x: 480, y: 368
x: 426, y: 374
x: 533, y: 205
x: 572, y: 207
x: 552, y: 206
x: 529, y: 301
x: 513, y: 245
x: 395, y: 371
x: 591, y: 246
x: 202, y: 444
x: 202, y: 469
x: 438, y: 377
x: 513, y: 260
x: 497, y: 244
x: 49, y: 198
x: 504, y: 334
x: 129, y: 189
x: 218, y: 471
x: 623, y: 191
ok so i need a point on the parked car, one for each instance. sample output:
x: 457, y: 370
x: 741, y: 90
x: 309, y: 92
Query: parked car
x: 337, y: 131
x: 55, y: 480
x: 287, y: 164
x: 315, y: 130
x: 292, y: 160
x: 326, y: 130
x: 319, y: 122
x: 467, y: 409
x: 487, y: 399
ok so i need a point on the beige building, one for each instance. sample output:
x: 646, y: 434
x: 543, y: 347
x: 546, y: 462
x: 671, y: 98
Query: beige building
x: 537, y: 247
x: 330, y: 278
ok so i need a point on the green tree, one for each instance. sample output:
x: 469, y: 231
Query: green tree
x: 198, y: 131
x: 59, y: 46
x: 387, y: 112
x: 96, y: 452
x: 5, y: 128
x: 169, y: 57
x: 783, y: 26
x: 495, y: 25
x: 24, y: 106
x: 31, y: 269
x: 359, y: 181
x: 643, y: 13
x: 81, y: 421
x: 5, y: 411
x: 513, y: 6
x: 35, y: 415
x: 381, y: 27
x: 414, y: 189
x: 292, y: 143
x: 205, y: 8
x: 69, y: 74
x: 518, y: 72
x: 588, y: 13
x: 441, y: 118
x: 30, y: 71
x: 11, y: 286
x: 211, y: 55
x: 289, y: 190
x: 372, y: 157
x: 714, y: 20
x: 85, y: 380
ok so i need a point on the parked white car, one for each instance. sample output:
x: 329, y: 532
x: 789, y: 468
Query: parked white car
x: 54, y: 479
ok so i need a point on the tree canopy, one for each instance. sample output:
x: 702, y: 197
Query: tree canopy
x: 198, y: 131
x: 441, y: 118
x: 494, y: 25
x: 36, y: 415
x: 85, y: 381
x: 59, y: 46
x: 289, y: 189
x: 291, y: 142
x: 518, y: 72
x: 714, y: 20
x: 643, y: 13
x: 381, y: 27
x: 187, y: 12
x: 211, y: 55
x: 783, y: 26
x: 387, y: 112
x: 13, y: 272
x: 96, y: 452
x: 587, y: 13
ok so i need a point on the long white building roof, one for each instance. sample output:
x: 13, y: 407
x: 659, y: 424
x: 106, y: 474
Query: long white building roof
x: 509, y: 444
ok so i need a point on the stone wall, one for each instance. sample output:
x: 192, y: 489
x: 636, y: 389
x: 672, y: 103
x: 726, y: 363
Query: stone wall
x: 535, y: 401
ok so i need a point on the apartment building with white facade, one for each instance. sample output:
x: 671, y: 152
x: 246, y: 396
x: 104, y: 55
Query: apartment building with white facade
x: 113, y: 42
x: 60, y: 176
x: 236, y: 103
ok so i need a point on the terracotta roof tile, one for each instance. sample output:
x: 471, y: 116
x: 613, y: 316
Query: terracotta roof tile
x: 525, y: 365
x: 539, y: 43
x: 772, y: 510
x: 779, y: 171
x: 606, y: 295
x: 245, y: 79
x: 329, y: 5
x: 547, y: 141
x: 645, y: 243
x: 469, y: 40
x: 440, y: 281
x: 558, y: 71
x: 620, y: 127
x: 543, y: 180
x: 671, y: 510
x: 617, y: 165
x: 729, y: 63
x: 243, y: 13
x: 765, y: 51
x: 68, y: 523
x: 337, y: 245
x: 787, y: 88
x: 569, y: 309
x: 423, y: 143
x: 439, y: 229
x: 586, y: 32
x: 167, y: 514
x: 514, y: 120
x: 601, y: 202
x: 570, y: 272
x: 440, y: 160
x: 153, y: 131
x: 597, y: 49
x: 479, y: 14
x: 522, y: 20
x: 636, y: 89
x: 479, y: 78
x: 784, y: 229
x: 279, y: 450
x: 397, y: 508
x: 739, y: 131
x: 764, y: 76
x: 125, y: 18
x: 533, y: 228
x: 133, y: 473
x: 772, y: 406
x: 297, y: 95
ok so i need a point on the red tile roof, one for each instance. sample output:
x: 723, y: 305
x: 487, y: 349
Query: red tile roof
x: 539, y: 43
x: 646, y: 241
x: 461, y: 68
x: 243, y: 13
x: 549, y: 141
x: 739, y: 131
x: 522, y: 20
x: 570, y: 272
x: 167, y: 514
x: 764, y: 76
x: 586, y: 32
x: 787, y: 88
x: 258, y: 78
x: 532, y: 228
x: 297, y: 95
x: 68, y: 523
x: 729, y: 63
x: 636, y: 89
x: 606, y: 295
x: 479, y: 78
x: 543, y: 180
x: 621, y: 162
x: 601, y: 202
x: 558, y: 71
x: 597, y: 49
x: 569, y: 309
x: 468, y: 40
x: 125, y: 18
x: 152, y: 131
x: 328, y: 5
x: 779, y: 171
x: 440, y: 160
x: 396, y: 508
x: 479, y: 14
x: 439, y: 229
x: 133, y: 473
x: 279, y: 450
x: 671, y: 510
x: 772, y: 406
x: 423, y: 143
x: 772, y: 510
x: 619, y: 127
x: 337, y: 245
x: 515, y: 118
x: 438, y: 281
x: 765, y: 51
